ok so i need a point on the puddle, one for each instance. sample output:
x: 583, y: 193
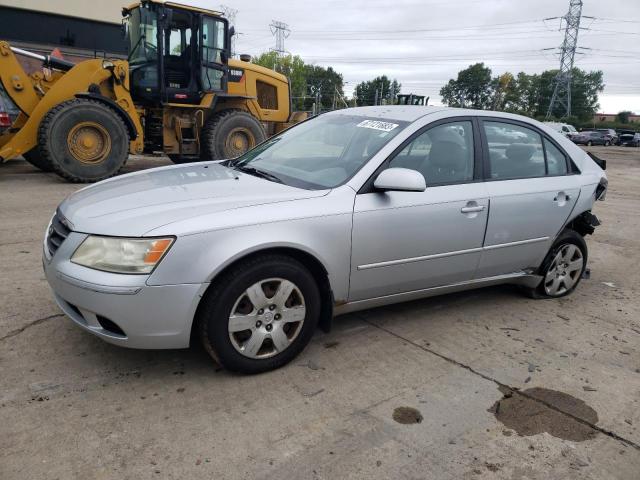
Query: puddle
x: 407, y: 415
x: 528, y: 417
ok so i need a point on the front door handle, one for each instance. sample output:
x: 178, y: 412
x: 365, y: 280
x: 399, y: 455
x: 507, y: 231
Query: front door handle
x: 477, y: 208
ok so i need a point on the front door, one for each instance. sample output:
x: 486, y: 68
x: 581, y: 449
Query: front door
x: 406, y: 241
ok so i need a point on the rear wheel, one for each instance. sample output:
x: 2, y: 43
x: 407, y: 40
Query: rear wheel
x: 229, y: 134
x: 35, y: 158
x: 84, y: 140
x: 589, y: 143
x: 563, y: 267
x: 260, y: 315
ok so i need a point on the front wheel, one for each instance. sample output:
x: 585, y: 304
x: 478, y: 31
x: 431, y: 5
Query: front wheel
x: 563, y: 267
x: 607, y: 143
x: 83, y: 140
x: 589, y: 143
x: 260, y: 315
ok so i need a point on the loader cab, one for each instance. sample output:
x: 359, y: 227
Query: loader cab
x: 176, y: 54
x: 411, y: 99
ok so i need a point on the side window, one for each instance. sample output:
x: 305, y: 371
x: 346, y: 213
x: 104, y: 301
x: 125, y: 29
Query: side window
x: 556, y: 161
x: 442, y: 154
x: 514, y: 151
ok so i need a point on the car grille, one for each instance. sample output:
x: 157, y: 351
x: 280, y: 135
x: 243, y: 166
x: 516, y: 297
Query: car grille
x: 58, y: 233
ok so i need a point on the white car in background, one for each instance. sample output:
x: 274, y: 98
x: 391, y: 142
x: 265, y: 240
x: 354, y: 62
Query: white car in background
x: 563, y: 128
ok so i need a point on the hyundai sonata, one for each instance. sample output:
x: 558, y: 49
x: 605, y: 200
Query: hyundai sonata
x: 349, y: 210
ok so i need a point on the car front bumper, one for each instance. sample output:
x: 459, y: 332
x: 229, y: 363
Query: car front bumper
x: 149, y: 317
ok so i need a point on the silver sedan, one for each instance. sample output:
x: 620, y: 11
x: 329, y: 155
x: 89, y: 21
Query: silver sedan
x: 350, y: 210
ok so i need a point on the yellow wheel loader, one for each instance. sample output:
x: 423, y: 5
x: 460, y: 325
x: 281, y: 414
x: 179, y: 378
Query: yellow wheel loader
x: 178, y: 92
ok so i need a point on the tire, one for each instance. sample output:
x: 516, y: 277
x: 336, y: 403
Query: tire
x: 589, y: 143
x: 251, y: 350
x: 84, y: 140
x: 229, y: 134
x: 569, y: 241
x: 607, y: 144
x: 35, y: 158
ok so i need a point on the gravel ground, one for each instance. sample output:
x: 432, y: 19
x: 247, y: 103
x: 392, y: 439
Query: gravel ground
x: 482, y: 384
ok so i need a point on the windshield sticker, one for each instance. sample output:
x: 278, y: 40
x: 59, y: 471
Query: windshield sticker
x: 377, y: 125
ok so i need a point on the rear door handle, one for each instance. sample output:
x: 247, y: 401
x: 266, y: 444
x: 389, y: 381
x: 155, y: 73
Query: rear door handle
x: 475, y: 209
x: 559, y: 196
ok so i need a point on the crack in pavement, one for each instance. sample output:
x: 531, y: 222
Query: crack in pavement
x: 514, y: 390
x: 18, y: 331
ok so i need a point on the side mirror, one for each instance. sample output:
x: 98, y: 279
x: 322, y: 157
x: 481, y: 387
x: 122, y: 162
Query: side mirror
x: 400, y: 180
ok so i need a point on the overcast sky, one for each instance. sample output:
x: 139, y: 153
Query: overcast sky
x: 424, y: 43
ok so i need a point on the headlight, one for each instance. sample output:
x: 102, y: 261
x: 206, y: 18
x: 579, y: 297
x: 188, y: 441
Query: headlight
x: 121, y: 255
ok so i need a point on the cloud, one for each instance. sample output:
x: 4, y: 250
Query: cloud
x: 423, y: 43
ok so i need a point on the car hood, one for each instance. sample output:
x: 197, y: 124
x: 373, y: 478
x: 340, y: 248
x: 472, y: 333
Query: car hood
x: 134, y: 204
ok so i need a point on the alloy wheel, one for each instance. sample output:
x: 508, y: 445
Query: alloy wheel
x: 564, y: 271
x: 266, y: 318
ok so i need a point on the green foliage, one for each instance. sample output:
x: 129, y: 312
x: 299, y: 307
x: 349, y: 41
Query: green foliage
x: 623, y: 117
x: 388, y: 91
x: 325, y: 84
x: 524, y: 94
x: 473, y: 88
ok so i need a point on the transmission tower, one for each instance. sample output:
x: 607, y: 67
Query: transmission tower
x: 280, y: 30
x: 230, y: 14
x: 562, y: 90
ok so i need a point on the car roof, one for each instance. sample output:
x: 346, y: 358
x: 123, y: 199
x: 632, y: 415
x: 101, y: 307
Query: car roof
x: 411, y: 113
x: 402, y: 113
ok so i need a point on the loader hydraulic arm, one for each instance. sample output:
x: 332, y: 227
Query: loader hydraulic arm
x: 16, y: 82
x: 37, y: 94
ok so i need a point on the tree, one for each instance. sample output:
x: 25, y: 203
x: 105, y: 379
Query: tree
x: 623, y: 117
x: 585, y: 87
x: 325, y: 84
x: 473, y: 88
x: 387, y: 91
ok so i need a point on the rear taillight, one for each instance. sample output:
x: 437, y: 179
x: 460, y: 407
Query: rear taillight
x: 601, y: 190
x: 5, y: 120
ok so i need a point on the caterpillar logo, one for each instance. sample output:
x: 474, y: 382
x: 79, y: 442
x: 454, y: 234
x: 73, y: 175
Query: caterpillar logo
x: 236, y: 74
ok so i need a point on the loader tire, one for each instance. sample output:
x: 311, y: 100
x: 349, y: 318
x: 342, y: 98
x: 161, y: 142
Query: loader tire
x: 84, y: 140
x: 229, y: 134
x: 35, y: 158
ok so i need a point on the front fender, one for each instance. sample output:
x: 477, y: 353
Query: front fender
x: 199, y: 258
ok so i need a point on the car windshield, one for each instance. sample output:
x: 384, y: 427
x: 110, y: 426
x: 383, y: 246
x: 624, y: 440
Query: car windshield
x: 321, y: 153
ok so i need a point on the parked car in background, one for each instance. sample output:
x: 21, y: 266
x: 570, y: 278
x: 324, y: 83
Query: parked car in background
x: 353, y: 209
x: 631, y: 139
x: 611, y: 133
x: 625, y: 135
x: 8, y: 111
x: 591, y: 138
x: 563, y: 128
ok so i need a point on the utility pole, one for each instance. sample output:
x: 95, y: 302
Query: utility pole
x: 280, y: 30
x: 562, y: 89
x: 230, y: 14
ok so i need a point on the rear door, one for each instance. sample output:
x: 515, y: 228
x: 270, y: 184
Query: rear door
x: 531, y: 192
